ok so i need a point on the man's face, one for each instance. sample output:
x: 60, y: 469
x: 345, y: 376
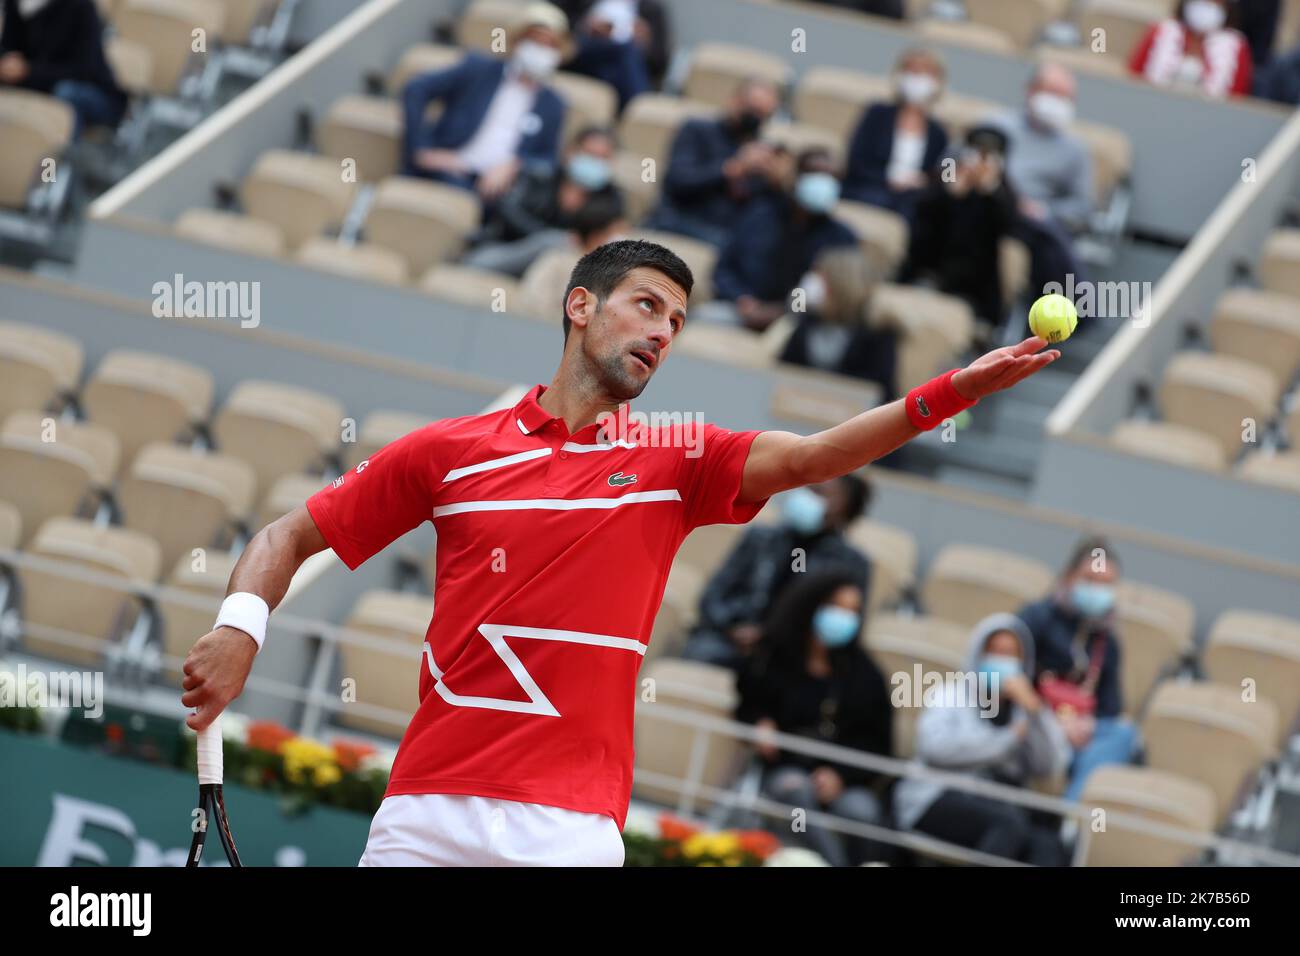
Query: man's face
x: 629, y: 335
x: 1056, y: 81
x: 543, y: 35
x: 758, y: 99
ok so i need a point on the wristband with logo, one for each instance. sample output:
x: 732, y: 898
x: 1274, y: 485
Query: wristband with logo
x: 245, y: 612
x: 929, y: 404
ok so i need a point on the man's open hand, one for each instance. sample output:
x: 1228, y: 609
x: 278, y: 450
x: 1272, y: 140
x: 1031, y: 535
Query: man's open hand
x: 1002, y: 368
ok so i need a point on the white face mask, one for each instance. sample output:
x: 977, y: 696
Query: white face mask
x: 536, y: 60
x: 814, y: 291
x: 1204, y: 16
x: 917, y: 87
x: 1055, y: 112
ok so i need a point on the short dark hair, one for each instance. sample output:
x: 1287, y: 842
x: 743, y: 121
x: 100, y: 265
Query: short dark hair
x: 602, y: 269
x: 1083, y: 551
x: 858, y: 493
x: 600, y: 210
x: 584, y: 134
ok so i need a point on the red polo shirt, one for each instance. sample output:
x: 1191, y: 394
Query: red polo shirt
x: 552, y: 555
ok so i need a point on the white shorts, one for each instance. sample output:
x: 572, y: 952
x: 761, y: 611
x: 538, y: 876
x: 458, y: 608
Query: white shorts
x: 448, y: 829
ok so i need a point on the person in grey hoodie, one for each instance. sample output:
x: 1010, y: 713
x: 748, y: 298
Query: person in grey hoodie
x: 1003, y: 733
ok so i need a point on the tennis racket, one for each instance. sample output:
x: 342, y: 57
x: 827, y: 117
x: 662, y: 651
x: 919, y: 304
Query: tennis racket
x: 212, y: 805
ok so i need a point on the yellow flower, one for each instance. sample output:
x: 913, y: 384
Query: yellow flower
x: 327, y: 773
x: 302, y: 756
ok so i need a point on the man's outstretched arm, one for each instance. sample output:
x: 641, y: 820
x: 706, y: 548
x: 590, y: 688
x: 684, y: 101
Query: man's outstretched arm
x: 779, y: 461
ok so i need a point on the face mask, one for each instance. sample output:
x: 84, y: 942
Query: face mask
x: 1003, y: 665
x: 817, y: 192
x: 589, y: 172
x: 803, y: 510
x: 746, y: 124
x: 1204, y: 16
x: 814, y: 291
x: 917, y: 87
x: 1092, y: 600
x: 835, y: 626
x: 536, y: 60
x: 1051, y: 110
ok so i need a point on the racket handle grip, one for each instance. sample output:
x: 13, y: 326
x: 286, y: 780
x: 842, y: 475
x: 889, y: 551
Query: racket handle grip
x: 209, y: 753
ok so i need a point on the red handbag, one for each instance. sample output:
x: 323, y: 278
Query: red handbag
x: 1065, y: 696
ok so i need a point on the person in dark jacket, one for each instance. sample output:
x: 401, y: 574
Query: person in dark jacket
x: 810, y: 538
x: 56, y: 47
x: 716, y: 166
x: 774, y: 243
x: 623, y: 42
x: 497, y: 114
x: 1075, y: 641
x: 896, y: 147
x: 813, y: 679
x: 891, y: 9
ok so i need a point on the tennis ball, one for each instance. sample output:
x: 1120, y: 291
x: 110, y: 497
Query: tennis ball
x: 1053, y: 317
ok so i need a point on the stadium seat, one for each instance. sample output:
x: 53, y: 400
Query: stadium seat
x: 1279, y: 469
x: 425, y: 222
x: 379, y: 429
x: 366, y: 129
x: 386, y: 675
x: 183, y: 498
x: 589, y: 102
x: 1123, y: 24
x: 1215, y: 394
x: 231, y: 230
x: 882, y: 233
x: 815, y: 399
x: 934, y: 329
x: 716, y: 69
x: 977, y: 36
x: 1155, y: 633
x: 1112, y: 157
x: 1081, y: 59
x: 541, y: 290
x: 1022, y: 21
x: 11, y: 526
x: 708, y: 546
x: 360, y: 261
x: 187, y: 616
x: 1206, y: 732
x: 897, y: 644
x: 893, y: 554
x: 732, y: 345
x: 165, y: 28
x: 35, y: 129
x: 678, y: 612
x: 1177, y: 444
x: 1279, y: 262
x: 1261, y: 649
x: 486, y: 22
x: 958, y: 112
x: 240, y: 18
x: 1260, y: 327
x: 967, y: 583
x: 651, y: 120
x: 302, y: 194
x: 1013, y: 263
x: 797, y: 137
x: 480, y: 288
x: 143, y: 397
x: 286, y: 495
x: 419, y: 59
x: 640, y: 191
x: 37, y: 367
x: 835, y: 98
x: 70, y: 619
x: 1164, y: 798
x: 132, y: 65
x: 700, y: 256
x: 47, y: 479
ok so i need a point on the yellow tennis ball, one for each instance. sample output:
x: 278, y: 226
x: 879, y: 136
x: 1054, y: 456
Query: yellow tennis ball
x: 1053, y: 317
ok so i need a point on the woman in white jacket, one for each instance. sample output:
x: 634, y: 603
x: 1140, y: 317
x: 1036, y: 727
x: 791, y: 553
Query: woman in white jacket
x: 988, y: 721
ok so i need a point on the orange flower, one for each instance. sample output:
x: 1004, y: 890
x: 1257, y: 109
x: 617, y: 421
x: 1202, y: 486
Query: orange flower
x: 349, y: 754
x: 759, y: 843
x: 670, y: 828
x: 268, y: 735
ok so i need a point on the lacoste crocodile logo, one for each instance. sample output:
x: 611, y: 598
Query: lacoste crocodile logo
x: 618, y: 478
x: 921, y: 407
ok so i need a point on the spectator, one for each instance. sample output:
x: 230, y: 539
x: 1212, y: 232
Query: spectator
x: 1050, y: 169
x: 774, y: 242
x: 538, y: 211
x: 954, y: 244
x: 623, y: 42
x: 597, y: 221
x: 834, y: 331
x: 1198, y: 49
x: 893, y: 9
x: 497, y: 114
x: 717, y: 165
x: 1075, y: 643
x: 988, y: 722
x: 1258, y: 21
x: 896, y: 147
x: 814, y: 680
x: 1280, y: 80
x: 810, y: 538
x: 56, y: 47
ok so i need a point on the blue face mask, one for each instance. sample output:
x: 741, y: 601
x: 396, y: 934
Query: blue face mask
x: 817, y: 192
x: 835, y: 626
x: 1092, y: 600
x: 803, y: 510
x: 589, y: 172
x: 1003, y: 665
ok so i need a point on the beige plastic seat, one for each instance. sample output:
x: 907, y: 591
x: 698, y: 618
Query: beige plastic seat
x: 481, y: 288
x: 366, y: 129
x: 835, y: 98
x: 893, y: 554
x: 640, y: 190
x: 379, y: 429
x: 36, y: 367
x: 1279, y: 262
x: 241, y: 16
x: 230, y: 230
x: 664, y: 747
x: 1020, y: 20
x: 486, y: 22
x: 1177, y: 444
x: 278, y: 429
x: 957, y: 113
x: 1123, y: 22
x: 718, y: 68
x: 540, y: 293
x: 1155, y: 631
x: 723, y: 343
x: 1013, y: 264
x: 286, y: 495
x: 385, y: 676
x: 11, y: 526
x: 1206, y: 732
x: 302, y: 194
x: 882, y: 233
x: 108, y: 9
x: 1112, y: 157
x: 1215, y: 394
x: 1262, y: 649
x: 977, y: 36
x: 68, y: 618
x: 708, y: 546
x: 132, y: 64
x: 35, y: 128
x: 188, y: 615
x: 143, y: 397
x: 650, y: 121
x: 809, y: 397
x: 166, y: 29
x: 797, y: 137
x: 967, y: 583
x: 56, y: 477
x: 934, y: 329
x: 1260, y: 327
x: 677, y: 613
x: 185, y: 499
x: 361, y: 261
x: 898, y: 644
x: 419, y: 59
x: 1081, y: 59
x: 424, y: 222
x: 700, y: 256
x: 1163, y: 798
x: 1280, y: 469
x: 589, y: 102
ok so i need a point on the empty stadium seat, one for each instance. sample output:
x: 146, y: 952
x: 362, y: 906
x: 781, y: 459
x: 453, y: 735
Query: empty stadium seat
x: 797, y: 137
x: 700, y: 256
x: 385, y: 676
x: 1020, y: 20
x: 379, y: 429
x: 978, y: 36
x: 957, y: 113
x: 722, y: 343
x: 485, y: 22
x: 302, y: 194
x: 716, y: 70
x: 240, y: 18
x: 708, y: 546
x: 286, y: 495
x: 1155, y: 633
x: 1215, y: 393
x: 640, y: 190
x: 365, y: 129
x: 1123, y: 24
x: 231, y: 230
x: 1260, y: 648
x: 1112, y: 157
x: 1081, y: 59
x: 934, y: 329
x: 967, y: 583
x: 35, y: 128
x: 1166, y: 441
x: 360, y: 261
x: 132, y: 64
x: 480, y: 288
x: 1164, y: 798
x: 1279, y: 469
x: 72, y: 619
x: 540, y: 292
x: 187, y: 616
x: 589, y: 102
x: 1279, y: 262
x: 166, y: 29
x: 651, y: 120
x: 898, y: 644
x: 893, y: 554
x: 11, y: 526
x: 882, y: 233
x: 419, y: 59
x: 835, y: 98
x: 678, y: 611
x: 1260, y: 327
x: 809, y: 397
x: 37, y: 367
x: 425, y: 222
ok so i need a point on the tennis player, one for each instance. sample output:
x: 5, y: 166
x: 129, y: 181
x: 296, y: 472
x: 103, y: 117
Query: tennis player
x: 554, y: 541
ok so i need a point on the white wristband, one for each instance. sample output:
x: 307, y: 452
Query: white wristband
x: 245, y: 612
